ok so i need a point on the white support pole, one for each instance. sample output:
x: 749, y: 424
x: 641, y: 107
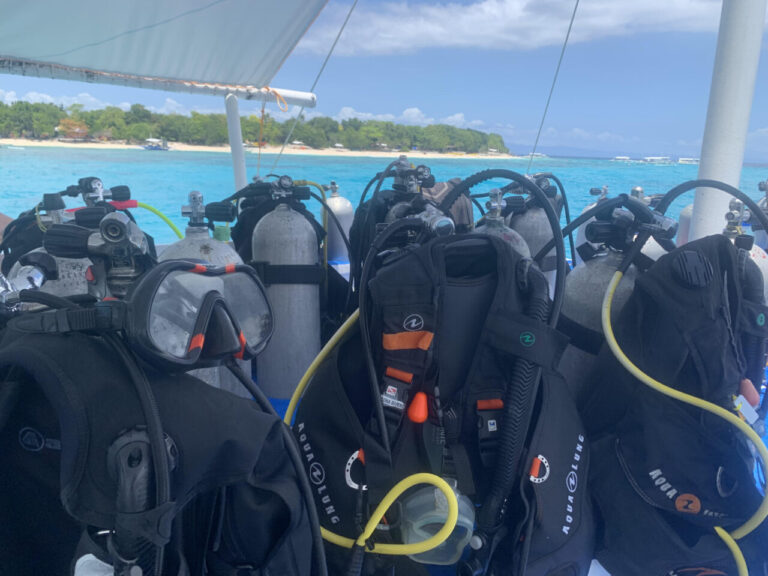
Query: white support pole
x: 236, y: 141
x: 730, y: 103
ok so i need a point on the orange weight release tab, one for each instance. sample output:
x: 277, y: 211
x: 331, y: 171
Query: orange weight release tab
x: 420, y: 340
x: 401, y: 375
x: 197, y: 342
x: 490, y: 404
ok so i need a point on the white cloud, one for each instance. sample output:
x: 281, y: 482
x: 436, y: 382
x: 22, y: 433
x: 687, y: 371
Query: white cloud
x: 8, y: 97
x: 407, y: 26
x: 459, y: 121
x: 170, y: 106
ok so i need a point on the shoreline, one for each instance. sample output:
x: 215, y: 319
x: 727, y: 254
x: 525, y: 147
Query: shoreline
x: 289, y: 150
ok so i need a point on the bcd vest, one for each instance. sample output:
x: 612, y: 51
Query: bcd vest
x: 665, y: 473
x: 65, y: 400
x: 447, y: 321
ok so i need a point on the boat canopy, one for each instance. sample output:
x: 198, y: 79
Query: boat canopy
x: 199, y: 46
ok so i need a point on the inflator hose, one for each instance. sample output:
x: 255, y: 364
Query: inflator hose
x: 518, y: 405
x: 318, y: 549
x: 566, y: 208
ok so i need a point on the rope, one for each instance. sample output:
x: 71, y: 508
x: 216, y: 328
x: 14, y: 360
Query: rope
x: 552, y: 88
x: 314, y: 84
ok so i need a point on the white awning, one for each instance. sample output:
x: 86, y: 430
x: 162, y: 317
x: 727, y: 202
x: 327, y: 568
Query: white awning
x: 203, y: 46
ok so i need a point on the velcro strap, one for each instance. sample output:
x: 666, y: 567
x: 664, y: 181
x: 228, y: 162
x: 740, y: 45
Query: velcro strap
x: 289, y: 273
x: 526, y: 338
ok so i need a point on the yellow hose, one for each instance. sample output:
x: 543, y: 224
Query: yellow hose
x: 423, y: 478
x: 762, y: 512
x: 162, y: 216
x: 403, y: 549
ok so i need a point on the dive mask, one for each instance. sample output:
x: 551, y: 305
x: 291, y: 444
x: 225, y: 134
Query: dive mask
x: 184, y: 315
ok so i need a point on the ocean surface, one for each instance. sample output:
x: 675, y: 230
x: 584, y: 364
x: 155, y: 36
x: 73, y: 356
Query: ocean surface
x: 163, y: 179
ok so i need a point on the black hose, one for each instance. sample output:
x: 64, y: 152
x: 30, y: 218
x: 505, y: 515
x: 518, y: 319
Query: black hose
x: 477, y: 203
x: 50, y: 300
x: 554, y: 222
x: 295, y: 457
x: 368, y: 187
x: 373, y: 377
x: 565, y: 208
x: 518, y: 407
x: 154, y: 430
x: 605, y: 205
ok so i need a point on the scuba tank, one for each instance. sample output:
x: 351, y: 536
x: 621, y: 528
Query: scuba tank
x: 493, y: 224
x: 38, y: 270
x: 197, y: 244
x: 761, y: 237
x: 531, y: 223
x: 285, y: 251
x: 345, y: 213
x: 611, y: 232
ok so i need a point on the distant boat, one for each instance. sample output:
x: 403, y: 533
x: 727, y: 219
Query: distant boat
x: 537, y: 155
x: 621, y: 159
x: 657, y: 160
x: 156, y: 144
x: 11, y: 147
x: 687, y: 160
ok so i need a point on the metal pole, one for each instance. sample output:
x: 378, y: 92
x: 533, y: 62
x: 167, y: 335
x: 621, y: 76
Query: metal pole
x: 730, y: 103
x: 236, y: 141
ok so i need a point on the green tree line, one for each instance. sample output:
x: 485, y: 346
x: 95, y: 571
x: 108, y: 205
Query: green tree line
x: 47, y: 121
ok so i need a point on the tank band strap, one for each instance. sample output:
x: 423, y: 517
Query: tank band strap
x: 289, y: 273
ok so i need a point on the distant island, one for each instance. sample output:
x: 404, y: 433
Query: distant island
x: 48, y: 122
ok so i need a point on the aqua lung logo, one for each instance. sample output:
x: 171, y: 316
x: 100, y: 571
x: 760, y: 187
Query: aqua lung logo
x: 413, y: 323
x: 317, y: 476
x: 527, y: 339
x: 31, y: 440
x: 317, y: 473
x: 572, y: 483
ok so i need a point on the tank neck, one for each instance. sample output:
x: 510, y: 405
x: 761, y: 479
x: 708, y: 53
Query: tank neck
x: 197, y: 231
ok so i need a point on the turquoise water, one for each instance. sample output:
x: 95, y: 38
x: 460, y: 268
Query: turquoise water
x: 163, y: 179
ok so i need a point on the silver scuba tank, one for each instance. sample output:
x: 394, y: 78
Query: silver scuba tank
x: 345, y: 213
x: 197, y: 244
x: 284, y: 238
x: 581, y: 233
x: 38, y: 270
x: 493, y: 224
x: 533, y: 225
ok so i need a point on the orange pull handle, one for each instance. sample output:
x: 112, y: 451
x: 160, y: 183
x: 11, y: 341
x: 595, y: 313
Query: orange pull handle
x: 418, y: 411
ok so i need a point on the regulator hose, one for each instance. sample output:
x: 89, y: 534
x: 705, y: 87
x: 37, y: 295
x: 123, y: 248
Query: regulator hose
x: 162, y: 474
x: 565, y: 207
x: 318, y: 550
x: 162, y: 216
x: 518, y: 405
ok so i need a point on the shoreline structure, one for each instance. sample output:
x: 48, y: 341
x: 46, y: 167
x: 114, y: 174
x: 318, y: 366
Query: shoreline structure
x: 290, y: 149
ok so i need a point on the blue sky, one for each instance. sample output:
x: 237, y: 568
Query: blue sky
x: 635, y: 78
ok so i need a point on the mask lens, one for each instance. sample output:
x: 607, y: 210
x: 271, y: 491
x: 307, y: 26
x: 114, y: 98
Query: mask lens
x: 246, y: 300
x: 175, y: 309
